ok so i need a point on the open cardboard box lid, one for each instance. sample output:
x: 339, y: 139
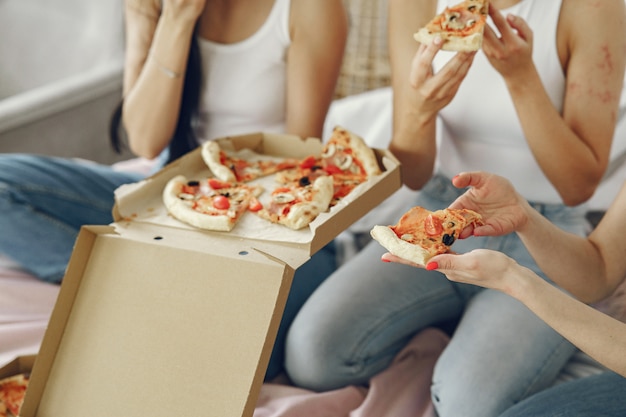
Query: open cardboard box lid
x: 155, y: 318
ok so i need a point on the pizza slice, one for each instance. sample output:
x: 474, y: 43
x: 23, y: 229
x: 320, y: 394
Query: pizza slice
x: 460, y: 27
x: 242, y: 166
x: 297, y: 205
x: 345, y: 157
x: 209, y: 204
x: 12, y: 392
x: 421, y: 234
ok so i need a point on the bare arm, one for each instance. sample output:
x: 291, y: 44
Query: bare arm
x: 597, y: 334
x: 157, y: 48
x: 589, y: 268
x: 319, y: 30
x: 594, y: 60
x: 418, y: 93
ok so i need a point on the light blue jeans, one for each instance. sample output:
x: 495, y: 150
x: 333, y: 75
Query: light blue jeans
x: 601, y: 395
x: 44, y: 201
x: 363, y: 314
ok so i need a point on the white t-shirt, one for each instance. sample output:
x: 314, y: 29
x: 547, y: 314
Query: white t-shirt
x: 480, y: 130
x: 244, y: 87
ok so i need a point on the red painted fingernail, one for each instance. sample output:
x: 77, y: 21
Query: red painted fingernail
x: 431, y: 266
x: 385, y: 260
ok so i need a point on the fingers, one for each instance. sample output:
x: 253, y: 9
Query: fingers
x: 421, y: 66
x: 388, y: 257
x: 469, y: 179
x: 501, y: 23
x: 521, y: 27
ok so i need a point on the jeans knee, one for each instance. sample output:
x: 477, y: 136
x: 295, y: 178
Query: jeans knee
x: 5, y: 193
x: 309, y: 366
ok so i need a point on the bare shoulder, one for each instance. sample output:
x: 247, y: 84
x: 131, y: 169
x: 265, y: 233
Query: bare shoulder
x: 587, y: 18
x: 589, y: 27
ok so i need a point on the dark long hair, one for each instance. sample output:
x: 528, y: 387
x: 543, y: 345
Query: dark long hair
x: 184, y: 139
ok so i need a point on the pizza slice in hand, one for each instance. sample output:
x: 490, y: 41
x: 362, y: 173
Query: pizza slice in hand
x: 243, y: 166
x: 421, y: 234
x: 460, y: 27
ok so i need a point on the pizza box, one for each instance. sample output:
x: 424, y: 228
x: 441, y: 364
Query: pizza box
x: 19, y: 365
x: 157, y: 318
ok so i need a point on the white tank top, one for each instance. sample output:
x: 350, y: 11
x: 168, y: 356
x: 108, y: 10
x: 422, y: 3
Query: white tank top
x: 244, y: 87
x: 480, y: 130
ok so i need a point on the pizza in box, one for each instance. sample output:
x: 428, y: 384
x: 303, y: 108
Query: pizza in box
x: 12, y: 392
x: 302, y: 188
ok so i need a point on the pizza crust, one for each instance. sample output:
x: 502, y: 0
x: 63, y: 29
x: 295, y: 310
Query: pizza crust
x: 181, y: 211
x: 450, y: 42
x: 361, y: 151
x: 304, y: 212
x: 396, y: 246
x: 211, y: 156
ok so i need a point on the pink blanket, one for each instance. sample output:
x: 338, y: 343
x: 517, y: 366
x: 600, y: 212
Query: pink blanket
x: 401, y: 390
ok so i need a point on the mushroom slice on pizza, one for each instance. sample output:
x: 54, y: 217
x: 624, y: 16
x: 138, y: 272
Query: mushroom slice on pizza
x: 460, y: 27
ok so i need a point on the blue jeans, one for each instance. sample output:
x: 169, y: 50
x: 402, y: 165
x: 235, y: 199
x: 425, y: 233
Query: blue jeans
x: 45, y: 200
x: 357, y: 321
x: 594, y: 396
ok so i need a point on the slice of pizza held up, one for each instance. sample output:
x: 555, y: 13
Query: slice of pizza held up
x: 209, y: 204
x: 421, y: 234
x: 460, y: 27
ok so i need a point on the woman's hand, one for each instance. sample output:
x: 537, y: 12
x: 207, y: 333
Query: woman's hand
x: 495, y: 199
x: 482, y: 267
x: 435, y: 91
x: 510, y: 53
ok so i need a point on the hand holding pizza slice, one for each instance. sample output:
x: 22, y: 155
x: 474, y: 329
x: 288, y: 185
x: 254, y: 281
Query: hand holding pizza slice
x: 421, y: 234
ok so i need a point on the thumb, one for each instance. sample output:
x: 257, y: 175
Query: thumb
x: 441, y: 262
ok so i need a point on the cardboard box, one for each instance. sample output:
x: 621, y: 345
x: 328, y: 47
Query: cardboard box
x: 155, y: 318
x: 19, y: 365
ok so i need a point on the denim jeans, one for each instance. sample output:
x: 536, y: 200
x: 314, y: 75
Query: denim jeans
x: 362, y: 315
x: 602, y: 395
x: 45, y: 200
